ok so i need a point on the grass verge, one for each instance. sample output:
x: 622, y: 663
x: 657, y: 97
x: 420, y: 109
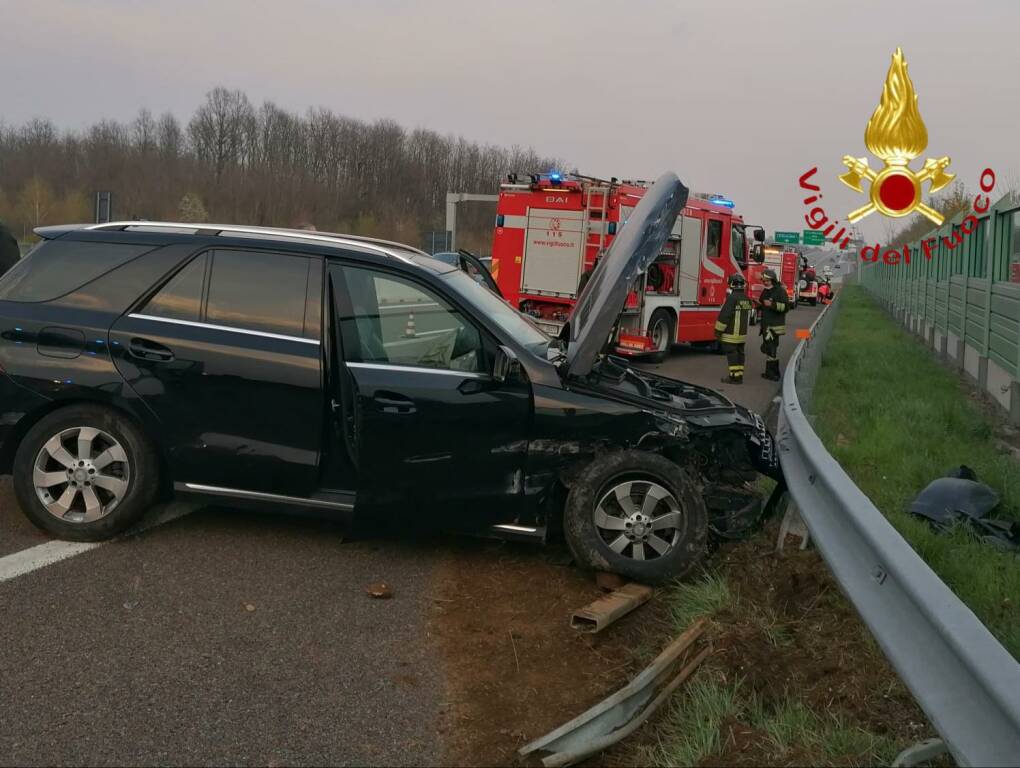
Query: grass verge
x: 716, y: 719
x: 773, y: 695
x: 896, y: 419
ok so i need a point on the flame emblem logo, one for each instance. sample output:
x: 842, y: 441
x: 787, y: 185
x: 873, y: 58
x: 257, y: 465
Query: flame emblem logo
x: 896, y: 134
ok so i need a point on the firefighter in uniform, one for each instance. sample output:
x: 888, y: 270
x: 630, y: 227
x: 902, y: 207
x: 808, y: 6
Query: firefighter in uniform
x: 731, y: 328
x: 774, y: 306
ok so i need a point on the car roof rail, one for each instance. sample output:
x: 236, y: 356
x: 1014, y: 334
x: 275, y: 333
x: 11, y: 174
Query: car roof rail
x: 386, y: 247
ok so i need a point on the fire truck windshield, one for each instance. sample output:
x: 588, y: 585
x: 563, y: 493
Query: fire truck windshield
x: 488, y: 304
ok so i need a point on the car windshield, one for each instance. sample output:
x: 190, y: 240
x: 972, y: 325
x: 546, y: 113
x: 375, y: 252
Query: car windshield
x: 514, y: 323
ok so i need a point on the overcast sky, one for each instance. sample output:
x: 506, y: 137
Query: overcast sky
x: 737, y: 97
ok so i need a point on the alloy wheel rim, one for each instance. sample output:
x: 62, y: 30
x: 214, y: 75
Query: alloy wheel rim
x: 639, y: 519
x: 81, y: 474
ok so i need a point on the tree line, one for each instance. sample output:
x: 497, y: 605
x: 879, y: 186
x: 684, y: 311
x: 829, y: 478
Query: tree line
x: 234, y: 162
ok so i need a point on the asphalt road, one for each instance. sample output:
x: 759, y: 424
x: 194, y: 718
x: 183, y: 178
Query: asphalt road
x: 226, y: 637
x: 706, y: 369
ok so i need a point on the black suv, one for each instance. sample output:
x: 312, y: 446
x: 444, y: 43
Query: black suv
x: 301, y: 369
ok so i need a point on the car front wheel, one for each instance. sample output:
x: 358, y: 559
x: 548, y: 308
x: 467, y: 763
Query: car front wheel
x: 85, y: 473
x: 636, y: 514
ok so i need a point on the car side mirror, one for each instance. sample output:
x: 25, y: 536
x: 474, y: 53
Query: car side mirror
x: 758, y: 253
x: 506, y: 366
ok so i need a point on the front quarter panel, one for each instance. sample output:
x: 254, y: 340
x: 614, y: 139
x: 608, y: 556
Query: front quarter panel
x: 570, y: 429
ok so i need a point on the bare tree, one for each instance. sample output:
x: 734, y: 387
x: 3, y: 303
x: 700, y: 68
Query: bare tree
x: 258, y: 165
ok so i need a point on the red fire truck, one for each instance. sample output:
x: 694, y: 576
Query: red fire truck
x: 808, y: 282
x: 784, y: 262
x: 551, y: 229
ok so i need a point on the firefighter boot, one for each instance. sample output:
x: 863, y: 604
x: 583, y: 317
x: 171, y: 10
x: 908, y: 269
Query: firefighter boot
x: 771, y: 370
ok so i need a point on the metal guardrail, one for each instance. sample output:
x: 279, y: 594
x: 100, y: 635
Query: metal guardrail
x: 965, y: 681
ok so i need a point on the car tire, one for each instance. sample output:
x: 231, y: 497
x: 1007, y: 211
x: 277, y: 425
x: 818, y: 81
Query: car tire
x: 596, y: 517
x: 92, y: 463
x: 664, y: 323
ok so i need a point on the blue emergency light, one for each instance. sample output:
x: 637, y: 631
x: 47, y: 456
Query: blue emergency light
x: 555, y: 177
x: 721, y: 201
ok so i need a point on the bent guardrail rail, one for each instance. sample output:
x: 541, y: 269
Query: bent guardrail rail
x: 965, y: 681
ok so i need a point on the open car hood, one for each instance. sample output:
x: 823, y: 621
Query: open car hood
x: 636, y: 246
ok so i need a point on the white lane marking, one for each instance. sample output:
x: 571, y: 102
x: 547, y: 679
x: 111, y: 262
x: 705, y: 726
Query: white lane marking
x: 41, y: 555
x: 34, y: 558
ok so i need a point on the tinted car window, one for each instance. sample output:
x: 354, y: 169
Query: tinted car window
x: 57, y: 267
x: 258, y: 291
x: 395, y: 321
x: 181, y: 298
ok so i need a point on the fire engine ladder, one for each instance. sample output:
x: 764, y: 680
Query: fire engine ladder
x: 604, y: 191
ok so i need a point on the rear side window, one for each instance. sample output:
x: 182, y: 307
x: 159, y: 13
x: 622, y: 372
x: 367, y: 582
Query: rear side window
x: 247, y: 290
x: 181, y: 298
x: 58, y: 267
x: 258, y: 291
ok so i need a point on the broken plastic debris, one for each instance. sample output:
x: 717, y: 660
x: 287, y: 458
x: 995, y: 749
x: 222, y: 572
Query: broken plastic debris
x: 960, y: 499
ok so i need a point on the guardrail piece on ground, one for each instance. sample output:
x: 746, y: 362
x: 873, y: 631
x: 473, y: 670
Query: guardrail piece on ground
x: 616, y: 717
x: 965, y: 681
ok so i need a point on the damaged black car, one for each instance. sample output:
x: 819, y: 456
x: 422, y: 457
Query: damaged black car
x: 359, y: 378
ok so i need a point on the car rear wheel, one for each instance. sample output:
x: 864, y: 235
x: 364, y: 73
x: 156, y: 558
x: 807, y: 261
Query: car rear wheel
x: 662, y: 330
x: 85, y: 473
x: 636, y: 514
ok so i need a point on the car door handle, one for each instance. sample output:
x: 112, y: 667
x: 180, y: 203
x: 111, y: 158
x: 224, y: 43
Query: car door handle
x: 150, y: 350
x: 389, y: 402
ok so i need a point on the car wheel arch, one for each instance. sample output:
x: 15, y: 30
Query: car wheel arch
x: 10, y: 448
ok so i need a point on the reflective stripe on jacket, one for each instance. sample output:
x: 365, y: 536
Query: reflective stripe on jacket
x: 774, y: 317
x: 734, y: 318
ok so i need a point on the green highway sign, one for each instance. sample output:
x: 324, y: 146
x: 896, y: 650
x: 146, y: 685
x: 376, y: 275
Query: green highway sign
x: 787, y: 237
x: 813, y: 238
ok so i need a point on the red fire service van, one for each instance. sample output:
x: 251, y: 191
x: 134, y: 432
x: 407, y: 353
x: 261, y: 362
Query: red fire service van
x: 784, y: 262
x: 808, y: 282
x: 551, y: 229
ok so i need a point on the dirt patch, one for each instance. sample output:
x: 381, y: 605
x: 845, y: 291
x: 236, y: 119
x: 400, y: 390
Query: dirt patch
x: 793, y: 634
x: 515, y: 668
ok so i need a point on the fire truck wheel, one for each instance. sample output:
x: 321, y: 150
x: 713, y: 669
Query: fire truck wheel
x: 662, y: 330
x: 636, y: 514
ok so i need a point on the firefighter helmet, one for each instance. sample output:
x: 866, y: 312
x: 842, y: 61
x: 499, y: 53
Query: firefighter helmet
x: 737, y: 281
x: 770, y: 274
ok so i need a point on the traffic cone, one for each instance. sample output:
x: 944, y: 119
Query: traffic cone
x: 409, y: 330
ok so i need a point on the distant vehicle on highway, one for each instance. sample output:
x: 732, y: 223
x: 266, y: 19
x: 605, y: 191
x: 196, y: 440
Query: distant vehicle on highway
x: 785, y: 262
x: 478, y: 267
x: 808, y: 283
x: 356, y: 377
